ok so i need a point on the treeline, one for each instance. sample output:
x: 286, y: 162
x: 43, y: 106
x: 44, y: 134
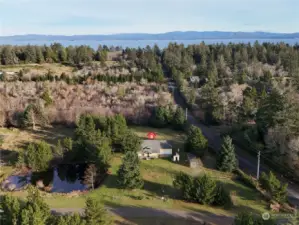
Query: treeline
x: 50, y: 76
x: 215, y: 60
x: 55, y: 53
x: 34, y: 211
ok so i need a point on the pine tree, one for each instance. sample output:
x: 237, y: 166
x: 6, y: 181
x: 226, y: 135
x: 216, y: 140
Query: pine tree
x: 129, y: 172
x: 204, y: 189
x: 271, y: 184
x: 184, y: 182
x: 131, y: 142
x: 196, y: 141
x: 95, y: 213
x: 11, y: 209
x: 33, y: 115
x: 227, y: 160
x: 36, y: 211
x: 38, y: 156
x: 47, y: 98
x: 179, y: 119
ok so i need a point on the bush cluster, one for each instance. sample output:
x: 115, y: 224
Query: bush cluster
x: 204, y: 190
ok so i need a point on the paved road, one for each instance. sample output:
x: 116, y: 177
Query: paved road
x: 139, y: 212
x: 247, y: 162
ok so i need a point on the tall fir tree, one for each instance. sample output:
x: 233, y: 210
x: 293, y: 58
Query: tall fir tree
x: 227, y: 160
x: 196, y: 141
x: 131, y: 142
x: 179, y: 119
x: 95, y: 213
x: 129, y: 172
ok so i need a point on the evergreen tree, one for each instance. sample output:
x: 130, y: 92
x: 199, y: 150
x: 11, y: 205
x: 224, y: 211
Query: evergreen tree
x: 179, y: 119
x: 129, y: 172
x: 36, y: 211
x: 271, y: 184
x: 270, y: 106
x: 39, y: 55
x: 227, y: 160
x: 67, y: 144
x: 103, y: 153
x: 11, y: 210
x: 196, y: 141
x: 131, y: 142
x: 47, y: 98
x: 38, y: 156
x: 160, y: 117
x: 204, y: 189
x: 8, y: 56
x: 95, y: 213
x: 222, y: 197
x: 184, y: 182
x: 33, y: 115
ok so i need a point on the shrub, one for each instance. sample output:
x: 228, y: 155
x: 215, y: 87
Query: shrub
x: 222, y: 197
x: 47, y: 98
x: 246, y: 179
x: 38, y: 156
x: 203, y: 190
x: 271, y: 184
x: 184, y: 182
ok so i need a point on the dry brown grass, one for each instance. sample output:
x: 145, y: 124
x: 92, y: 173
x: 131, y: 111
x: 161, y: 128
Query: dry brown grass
x: 15, y: 139
x: 39, y: 69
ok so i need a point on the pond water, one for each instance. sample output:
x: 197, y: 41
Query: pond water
x: 62, y: 179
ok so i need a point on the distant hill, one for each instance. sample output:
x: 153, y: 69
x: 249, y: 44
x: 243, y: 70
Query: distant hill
x: 176, y: 35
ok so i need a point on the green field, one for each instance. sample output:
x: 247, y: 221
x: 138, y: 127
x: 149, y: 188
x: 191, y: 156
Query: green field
x: 157, y: 175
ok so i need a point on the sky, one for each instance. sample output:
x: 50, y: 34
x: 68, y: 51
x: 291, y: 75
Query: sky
x: 71, y: 17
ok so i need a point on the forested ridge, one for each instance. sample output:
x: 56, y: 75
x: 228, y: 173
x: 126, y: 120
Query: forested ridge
x: 234, y: 84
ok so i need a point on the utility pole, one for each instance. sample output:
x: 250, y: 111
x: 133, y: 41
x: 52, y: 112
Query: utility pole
x: 186, y: 114
x: 258, y: 164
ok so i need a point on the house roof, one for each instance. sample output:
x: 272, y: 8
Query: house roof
x: 154, y: 146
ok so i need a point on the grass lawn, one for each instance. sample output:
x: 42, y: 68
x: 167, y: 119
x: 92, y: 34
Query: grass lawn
x: 157, y: 175
x: 158, y: 178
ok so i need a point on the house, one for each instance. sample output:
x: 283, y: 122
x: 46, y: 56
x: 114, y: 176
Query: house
x: 151, y: 149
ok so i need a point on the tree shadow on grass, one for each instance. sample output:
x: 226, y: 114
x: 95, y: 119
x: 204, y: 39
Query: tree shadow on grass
x: 240, y: 190
x: 51, y: 134
x: 8, y: 157
x: 155, y: 189
x: 149, y: 216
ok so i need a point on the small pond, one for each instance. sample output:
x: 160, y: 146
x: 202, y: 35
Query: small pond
x: 62, y: 179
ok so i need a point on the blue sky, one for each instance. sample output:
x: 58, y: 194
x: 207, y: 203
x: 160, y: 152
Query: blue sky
x: 70, y: 17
